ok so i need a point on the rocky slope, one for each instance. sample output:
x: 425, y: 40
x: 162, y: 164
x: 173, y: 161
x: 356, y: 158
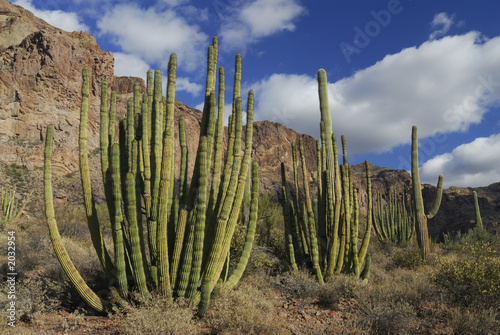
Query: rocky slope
x: 40, y: 83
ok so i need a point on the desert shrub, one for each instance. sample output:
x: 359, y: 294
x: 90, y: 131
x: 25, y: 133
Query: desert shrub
x: 158, y: 316
x: 301, y: 284
x: 466, y: 321
x: 247, y: 309
x: 408, y: 258
x: 472, y: 280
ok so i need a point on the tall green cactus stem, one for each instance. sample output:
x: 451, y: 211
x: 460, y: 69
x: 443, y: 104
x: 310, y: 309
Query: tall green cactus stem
x: 479, y: 221
x: 104, y: 148
x: 369, y: 217
x: 165, y: 184
x: 241, y: 180
x: 249, y: 237
x: 326, y: 118
x: 184, y: 161
x: 93, y: 222
x: 219, y: 136
x: 290, y: 224
x: 74, y: 276
x: 199, y: 229
x: 116, y: 219
x: 417, y: 199
x: 310, y: 216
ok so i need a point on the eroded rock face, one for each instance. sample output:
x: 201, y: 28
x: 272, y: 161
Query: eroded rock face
x: 40, y: 85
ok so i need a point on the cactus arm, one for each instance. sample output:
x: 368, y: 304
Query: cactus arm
x: 249, y: 238
x: 437, y: 199
x: 74, y: 276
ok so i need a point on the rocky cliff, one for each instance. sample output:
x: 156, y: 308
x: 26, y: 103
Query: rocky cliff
x: 40, y: 83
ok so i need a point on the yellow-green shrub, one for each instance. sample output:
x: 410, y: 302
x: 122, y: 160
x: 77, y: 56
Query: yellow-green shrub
x: 473, y: 280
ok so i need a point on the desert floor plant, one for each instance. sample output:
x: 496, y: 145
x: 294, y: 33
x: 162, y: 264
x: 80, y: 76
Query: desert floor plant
x: 11, y: 207
x: 168, y: 236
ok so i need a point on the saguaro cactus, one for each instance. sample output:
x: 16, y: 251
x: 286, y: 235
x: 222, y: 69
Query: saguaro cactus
x: 189, y: 231
x: 417, y: 200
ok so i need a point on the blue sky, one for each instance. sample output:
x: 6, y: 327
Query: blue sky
x: 390, y: 64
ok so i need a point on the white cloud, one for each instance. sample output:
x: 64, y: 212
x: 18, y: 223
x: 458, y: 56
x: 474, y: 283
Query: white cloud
x: 441, y: 23
x: 183, y: 84
x: 154, y: 35
x: 473, y: 164
x: 130, y: 65
x: 63, y: 20
x: 442, y: 86
x: 261, y: 18
x: 174, y: 3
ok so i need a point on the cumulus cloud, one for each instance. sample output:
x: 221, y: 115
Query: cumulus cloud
x: 130, y: 65
x: 63, y: 20
x: 246, y: 24
x: 441, y: 23
x: 153, y: 35
x: 472, y: 164
x: 442, y: 86
x: 183, y: 84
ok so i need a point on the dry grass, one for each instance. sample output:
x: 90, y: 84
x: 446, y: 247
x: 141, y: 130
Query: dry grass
x: 247, y: 309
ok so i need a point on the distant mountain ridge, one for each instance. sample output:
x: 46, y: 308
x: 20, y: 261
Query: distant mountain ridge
x: 40, y: 83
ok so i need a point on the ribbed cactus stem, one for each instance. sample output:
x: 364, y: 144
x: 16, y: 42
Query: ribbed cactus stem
x: 104, y: 124
x: 116, y: 217
x: 74, y: 276
x: 199, y: 229
x: 369, y: 216
x: 252, y: 223
x: 479, y: 221
x: 310, y: 216
x: 92, y: 219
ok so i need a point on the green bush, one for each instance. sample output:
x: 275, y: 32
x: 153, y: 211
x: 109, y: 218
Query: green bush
x: 409, y: 258
x: 472, y: 280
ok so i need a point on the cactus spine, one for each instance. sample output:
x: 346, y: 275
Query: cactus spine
x: 190, y: 231
x: 417, y: 199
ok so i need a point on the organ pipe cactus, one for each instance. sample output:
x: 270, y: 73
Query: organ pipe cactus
x: 326, y: 236
x: 479, y: 221
x: 189, y: 230
x: 418, y: 202
x: 393, y: 222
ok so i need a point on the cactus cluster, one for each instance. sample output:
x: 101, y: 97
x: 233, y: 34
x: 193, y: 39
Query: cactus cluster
x: 324, y: 232
x: 392, y: 222
x: 418, y: 202
x: 10, y: 204
x: 168, y: 235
